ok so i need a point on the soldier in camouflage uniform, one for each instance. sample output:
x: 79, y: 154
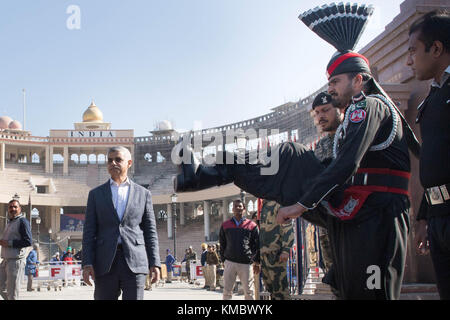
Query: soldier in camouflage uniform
x: 219, y: 269
x: 191, y: 255
x: 327, y: 119
x: 275, y: 243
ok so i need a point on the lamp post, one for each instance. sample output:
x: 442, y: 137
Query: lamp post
x: 242, y: 194
x: 38, y: 222
x: 49, y: 243
x: 174, y: 215
x: 58, y: 238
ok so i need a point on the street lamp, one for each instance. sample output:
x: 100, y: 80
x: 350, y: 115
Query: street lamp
x: 174, y: 215
x: 49, y: 243
x: 242, y: 194
x: 38, y: 222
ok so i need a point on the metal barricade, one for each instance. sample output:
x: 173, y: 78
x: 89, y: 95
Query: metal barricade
x: 58, y: 274
x: 196, y: 270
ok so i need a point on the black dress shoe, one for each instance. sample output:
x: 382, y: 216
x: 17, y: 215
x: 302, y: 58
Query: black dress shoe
x: 194, y: 176
x: 284, y: 179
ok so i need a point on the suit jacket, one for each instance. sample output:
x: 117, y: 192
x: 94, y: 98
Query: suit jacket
x: 137, y: 230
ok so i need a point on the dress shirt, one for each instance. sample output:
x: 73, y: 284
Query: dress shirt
x: 120, y: 197
x: 443, y: 79
x: 238, y: 223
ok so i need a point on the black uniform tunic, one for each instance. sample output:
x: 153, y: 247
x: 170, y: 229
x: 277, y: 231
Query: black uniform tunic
x: 369, y: 248
x: 434, y: 119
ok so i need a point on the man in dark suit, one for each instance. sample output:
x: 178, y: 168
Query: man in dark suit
x: 120, y: 241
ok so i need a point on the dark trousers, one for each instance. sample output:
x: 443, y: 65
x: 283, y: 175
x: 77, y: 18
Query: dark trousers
x: 369, y: 254
x: 439, y: 238
x: 119, y: 279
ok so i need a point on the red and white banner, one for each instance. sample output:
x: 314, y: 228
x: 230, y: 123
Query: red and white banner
x: 196, y: 270
x: 59, y: 272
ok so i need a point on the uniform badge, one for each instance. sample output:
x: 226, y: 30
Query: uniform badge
x: 358, y: 115
x: 435, y: 196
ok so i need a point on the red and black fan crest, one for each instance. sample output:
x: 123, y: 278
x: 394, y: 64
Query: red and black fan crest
x: 341, y: 25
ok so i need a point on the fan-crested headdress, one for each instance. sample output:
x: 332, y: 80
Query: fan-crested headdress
x: 341, y: 25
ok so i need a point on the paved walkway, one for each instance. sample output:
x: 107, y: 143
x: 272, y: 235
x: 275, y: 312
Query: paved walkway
x: 170, y: 291
x: 183, y: 291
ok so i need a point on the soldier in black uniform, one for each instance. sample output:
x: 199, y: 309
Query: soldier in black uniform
x: 365, y: 188
x: 361, y: 197
x: 327, y: 119
x: 429, y: 57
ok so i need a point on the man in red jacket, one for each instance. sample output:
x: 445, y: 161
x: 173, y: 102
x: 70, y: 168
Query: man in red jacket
x: 239, y: 249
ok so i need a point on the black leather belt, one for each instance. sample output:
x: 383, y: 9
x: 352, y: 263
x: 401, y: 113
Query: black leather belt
x: 395, y: 181
x: 369, y: 179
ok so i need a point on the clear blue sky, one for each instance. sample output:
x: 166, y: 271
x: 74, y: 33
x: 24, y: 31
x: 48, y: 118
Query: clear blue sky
x: 208, y: 61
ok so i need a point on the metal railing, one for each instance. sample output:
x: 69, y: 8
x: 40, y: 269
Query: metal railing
x: 57, y: 274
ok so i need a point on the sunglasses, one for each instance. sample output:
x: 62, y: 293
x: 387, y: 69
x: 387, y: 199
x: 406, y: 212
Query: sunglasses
x: 117, y: 160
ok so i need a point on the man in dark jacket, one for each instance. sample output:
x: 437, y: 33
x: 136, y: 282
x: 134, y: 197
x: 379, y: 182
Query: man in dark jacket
x: 429, y: 57
x: 239, y: 249
x: 170, y: 260
x: 212, y: 261
x: 203, y: 263
x: 16, y: 237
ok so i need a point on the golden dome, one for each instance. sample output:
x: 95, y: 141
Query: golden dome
x: 93, y: 114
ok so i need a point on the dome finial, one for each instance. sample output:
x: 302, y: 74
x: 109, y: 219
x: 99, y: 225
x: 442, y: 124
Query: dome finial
x: 93, y: 114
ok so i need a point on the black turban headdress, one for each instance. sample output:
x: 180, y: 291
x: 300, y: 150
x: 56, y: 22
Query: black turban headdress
x: 341, y: 25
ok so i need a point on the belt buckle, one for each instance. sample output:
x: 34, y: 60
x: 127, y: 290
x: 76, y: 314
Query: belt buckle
x: 435, y: 196
x: 445, y: 192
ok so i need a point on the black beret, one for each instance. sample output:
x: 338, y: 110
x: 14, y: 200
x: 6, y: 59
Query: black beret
x: 321, y: 99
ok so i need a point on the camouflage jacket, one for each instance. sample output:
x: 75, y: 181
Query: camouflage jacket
x: 274, y: 237
x: 324, y: 149
x: 190, y: 257
x: 212, y: 258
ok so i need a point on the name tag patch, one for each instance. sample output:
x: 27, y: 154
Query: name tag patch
x: 358, y: 115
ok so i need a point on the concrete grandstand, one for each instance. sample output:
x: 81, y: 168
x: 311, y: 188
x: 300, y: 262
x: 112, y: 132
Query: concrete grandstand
x: 54, y: 174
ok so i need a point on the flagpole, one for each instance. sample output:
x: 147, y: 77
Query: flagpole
x: 31, y: 217
x: 23, y: 91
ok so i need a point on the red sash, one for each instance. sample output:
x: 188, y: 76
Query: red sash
x: 356, y: 195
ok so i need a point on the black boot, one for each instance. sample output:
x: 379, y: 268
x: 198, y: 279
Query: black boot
x: 194, y: 176
x: 295, y: 168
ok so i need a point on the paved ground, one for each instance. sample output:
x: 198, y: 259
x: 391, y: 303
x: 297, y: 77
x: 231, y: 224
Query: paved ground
x: 170, y: 291
x: 183, y: 291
